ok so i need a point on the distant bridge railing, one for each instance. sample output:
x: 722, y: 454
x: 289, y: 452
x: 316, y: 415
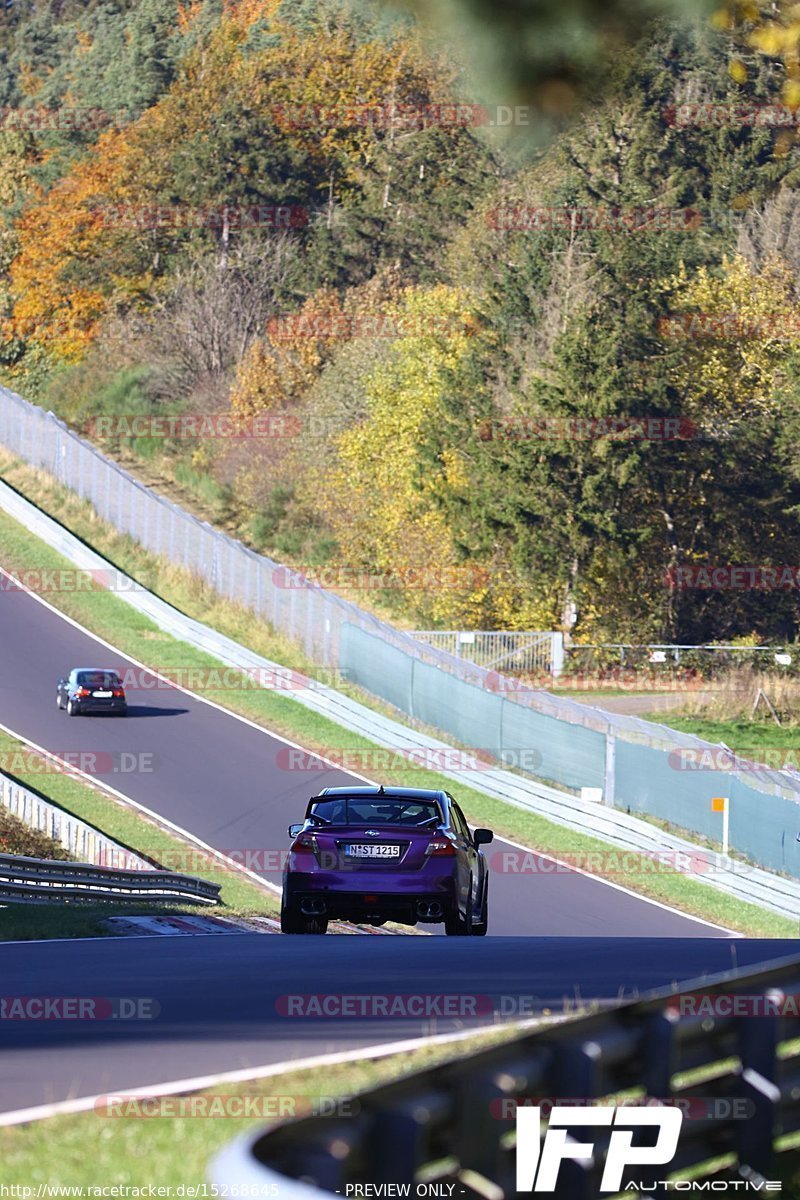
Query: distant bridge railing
x: 529, y: 652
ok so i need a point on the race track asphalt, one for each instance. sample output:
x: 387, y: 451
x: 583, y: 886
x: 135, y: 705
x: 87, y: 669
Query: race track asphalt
x: 225, y: 1003
x: 230, y: 785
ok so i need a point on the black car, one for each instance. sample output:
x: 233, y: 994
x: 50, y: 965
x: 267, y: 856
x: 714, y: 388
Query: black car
x: 91, y: 690
x: 376, y: 854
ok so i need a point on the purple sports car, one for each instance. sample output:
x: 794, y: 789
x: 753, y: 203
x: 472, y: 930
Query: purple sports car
x: 377, y: 854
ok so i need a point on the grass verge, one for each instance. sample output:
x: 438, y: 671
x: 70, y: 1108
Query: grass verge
x: 782, y: 743
x: 111, y: 618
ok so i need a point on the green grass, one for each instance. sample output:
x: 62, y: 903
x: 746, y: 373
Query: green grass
x: 740, y: 735
x: 134, y: 634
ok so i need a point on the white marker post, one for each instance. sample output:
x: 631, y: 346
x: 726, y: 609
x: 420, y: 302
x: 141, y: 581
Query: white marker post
x: 722, y: 804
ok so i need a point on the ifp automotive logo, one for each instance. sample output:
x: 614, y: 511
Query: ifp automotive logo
x: 631, y: 1144
x: 539, y: 1159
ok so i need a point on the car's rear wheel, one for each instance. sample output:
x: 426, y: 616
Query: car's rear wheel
x: 457, y: 926
x: 480, y: 928
x: 72, y: 710
x: 290, y: 920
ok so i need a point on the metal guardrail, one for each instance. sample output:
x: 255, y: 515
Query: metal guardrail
x: 38, y: 879
x: 452, y: 1124
x: 86, y: 843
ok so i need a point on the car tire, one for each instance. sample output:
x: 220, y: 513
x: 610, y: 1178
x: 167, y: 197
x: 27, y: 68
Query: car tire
x: 481, y: 927
x: 458, y: 926
x: 291, y: 920
x: 59, y: 705
x: 72, y: 710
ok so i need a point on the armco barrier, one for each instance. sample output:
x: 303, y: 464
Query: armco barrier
x: 88, y: 845
x: 580, y: 745
x: 32, y: 880
x: 452, y: 1125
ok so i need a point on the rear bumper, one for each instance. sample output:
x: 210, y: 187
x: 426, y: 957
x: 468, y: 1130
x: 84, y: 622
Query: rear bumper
x: 407, y: 897
x: 96, y: 706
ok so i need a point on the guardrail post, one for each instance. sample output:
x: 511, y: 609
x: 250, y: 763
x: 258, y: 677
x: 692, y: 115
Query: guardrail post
x: 556, y: 654
x: 610, y: 769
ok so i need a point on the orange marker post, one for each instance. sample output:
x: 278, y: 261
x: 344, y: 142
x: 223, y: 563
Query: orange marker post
x: 722, y: 804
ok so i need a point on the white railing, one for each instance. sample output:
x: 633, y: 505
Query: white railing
x: 519, y: 652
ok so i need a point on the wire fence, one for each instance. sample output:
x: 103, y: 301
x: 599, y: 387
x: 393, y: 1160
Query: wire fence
x: 631, y: 759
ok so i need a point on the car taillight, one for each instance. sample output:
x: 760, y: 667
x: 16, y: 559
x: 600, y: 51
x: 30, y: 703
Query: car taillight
x: 82, y: 691
x: 306, y: 841
x: 119, y: 691
x: 440, y: 848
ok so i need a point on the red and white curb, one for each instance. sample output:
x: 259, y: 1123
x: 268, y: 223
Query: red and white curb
x: 188, y: 925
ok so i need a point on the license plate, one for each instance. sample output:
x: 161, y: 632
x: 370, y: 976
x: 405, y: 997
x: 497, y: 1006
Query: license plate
x: 102, y: 695
x: 356, y: 851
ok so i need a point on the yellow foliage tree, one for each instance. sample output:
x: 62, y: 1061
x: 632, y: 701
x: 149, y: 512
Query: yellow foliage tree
x: 379, y: 502
x: 736, y: 331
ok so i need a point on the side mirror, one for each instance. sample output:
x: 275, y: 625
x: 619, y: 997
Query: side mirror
x: 295, y: 829
x: 481, y: 837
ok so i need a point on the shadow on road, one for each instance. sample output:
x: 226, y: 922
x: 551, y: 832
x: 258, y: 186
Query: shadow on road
x: 148, y: 710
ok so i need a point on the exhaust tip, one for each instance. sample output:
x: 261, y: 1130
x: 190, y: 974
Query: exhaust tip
x: 313, y: 907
